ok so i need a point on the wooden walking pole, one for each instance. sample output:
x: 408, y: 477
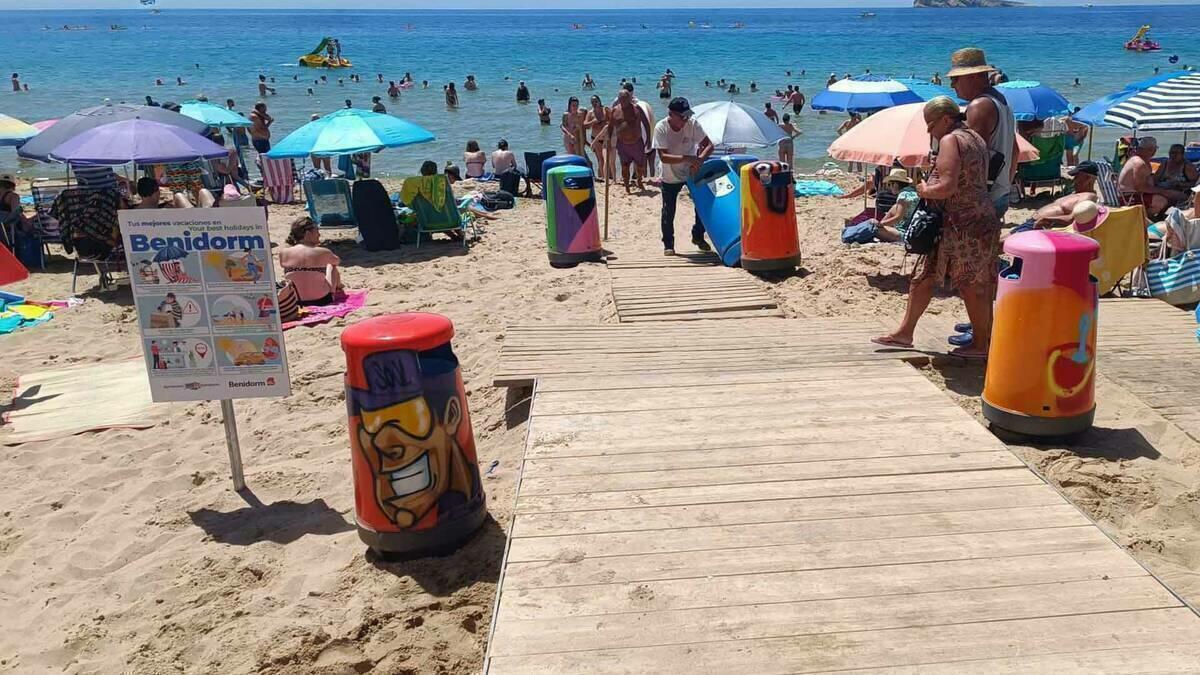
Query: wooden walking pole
x: 607, y: 180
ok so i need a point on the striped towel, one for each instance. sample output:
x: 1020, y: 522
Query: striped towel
x: 279, y: 179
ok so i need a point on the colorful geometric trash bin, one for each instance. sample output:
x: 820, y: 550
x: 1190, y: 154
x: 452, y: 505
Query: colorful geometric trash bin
x: 417, y: 490
x: 770, y: 240
x: 716, y: 192
x: 560, y: 160
x: 572, y: 226
x: 1042, y: 360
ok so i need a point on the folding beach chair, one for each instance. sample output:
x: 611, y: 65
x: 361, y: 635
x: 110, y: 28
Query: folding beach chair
x: 1047, y: 170
x: 98, y: 205
x: 533, y: 169
x: 279, y: 179
x: 1106, y: 184
x: 419, y: 193
x: 330, y: 203
x: 47, y: 229
x: 375, y: 217
x: 1123, y: 245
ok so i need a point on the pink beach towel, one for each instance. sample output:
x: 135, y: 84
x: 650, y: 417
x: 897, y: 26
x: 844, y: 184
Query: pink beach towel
x: 279, y: 179
x: 344, y: 305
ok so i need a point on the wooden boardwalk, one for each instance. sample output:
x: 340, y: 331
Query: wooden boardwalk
x: 805, y: 519
x: 1150, y: 348
x: 537, y: 350
x: 684, y: 288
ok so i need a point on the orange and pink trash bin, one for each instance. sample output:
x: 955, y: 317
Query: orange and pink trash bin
x: 417, y: 488
x: 1041, y: 371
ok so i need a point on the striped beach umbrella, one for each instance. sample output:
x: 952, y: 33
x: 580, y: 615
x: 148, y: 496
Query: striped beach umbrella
x: 15, y: 132
x: 865, y: 93
x: 1170, y: 105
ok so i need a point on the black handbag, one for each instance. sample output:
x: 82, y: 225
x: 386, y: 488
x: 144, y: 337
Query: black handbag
x: 924, y: 229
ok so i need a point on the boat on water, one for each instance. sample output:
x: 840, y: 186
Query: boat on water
x: 1140, y: 42
x: 867, y: 15
x: 115, y: 27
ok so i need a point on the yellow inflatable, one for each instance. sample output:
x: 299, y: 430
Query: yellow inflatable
x: 325, y: 56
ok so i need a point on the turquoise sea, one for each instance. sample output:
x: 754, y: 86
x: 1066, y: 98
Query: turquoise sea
x: 221, y: 53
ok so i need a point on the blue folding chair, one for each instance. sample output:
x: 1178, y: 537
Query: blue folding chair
x: 330, y: 202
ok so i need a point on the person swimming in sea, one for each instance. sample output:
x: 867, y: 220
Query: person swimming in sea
x: 543, y: 112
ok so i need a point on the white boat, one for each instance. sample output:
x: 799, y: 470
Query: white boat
x: 867, y: 15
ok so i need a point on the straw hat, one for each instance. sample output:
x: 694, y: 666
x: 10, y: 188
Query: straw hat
x: 968, y: 61
x: 898, y: 176
x: 1088, y: 215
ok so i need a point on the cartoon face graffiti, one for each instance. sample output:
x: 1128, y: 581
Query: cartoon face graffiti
x: 406, y: 425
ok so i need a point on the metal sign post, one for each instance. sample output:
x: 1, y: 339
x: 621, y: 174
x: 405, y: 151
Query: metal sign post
x: 232, y: 445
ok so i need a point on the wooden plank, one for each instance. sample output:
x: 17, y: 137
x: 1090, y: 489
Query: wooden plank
x: 870, y: 372
x: 794, y: 619
x: 568, y: 570
x: 906, y: 647
x: 1127, y: 661
x: 672, y: 290
x: 806, y: 585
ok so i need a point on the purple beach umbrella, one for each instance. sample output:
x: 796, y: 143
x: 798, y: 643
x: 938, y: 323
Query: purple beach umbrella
x: 72, y: 125
x: 138, y: 141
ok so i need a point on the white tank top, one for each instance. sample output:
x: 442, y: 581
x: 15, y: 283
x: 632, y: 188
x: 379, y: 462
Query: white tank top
x: 1002, y: 142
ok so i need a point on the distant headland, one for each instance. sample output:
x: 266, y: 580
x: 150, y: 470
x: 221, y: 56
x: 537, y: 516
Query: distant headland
x: 967, y: 3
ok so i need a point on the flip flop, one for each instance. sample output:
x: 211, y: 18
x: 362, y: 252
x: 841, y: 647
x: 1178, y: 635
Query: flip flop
x: 962, y: 327
x: 889, y: 341
x: 970, y: 357
x: 961, y: 339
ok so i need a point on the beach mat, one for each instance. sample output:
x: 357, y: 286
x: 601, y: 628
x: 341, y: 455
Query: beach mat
x: 60, y: 403
x: 310, y: 316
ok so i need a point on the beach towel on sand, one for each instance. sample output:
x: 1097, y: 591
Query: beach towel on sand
x: 817, y: 188
x: 60, y: 403
x: 343, y: 305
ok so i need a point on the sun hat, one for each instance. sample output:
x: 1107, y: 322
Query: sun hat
x: 1088, y: 215
x: 8, y: 178
x: 898, y: 176
x: 968, y: 61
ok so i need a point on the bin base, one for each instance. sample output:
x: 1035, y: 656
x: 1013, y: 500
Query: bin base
x: 441, y: 540
x: 570, y: 259
x: 1028, y: 425
x: 771, y: 264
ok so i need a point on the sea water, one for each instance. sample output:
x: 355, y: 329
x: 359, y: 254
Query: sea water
x: 221, y: 53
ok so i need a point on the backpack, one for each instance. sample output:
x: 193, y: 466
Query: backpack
x: 499, y: 199
x: 924, y: 229
x: 510, y: 182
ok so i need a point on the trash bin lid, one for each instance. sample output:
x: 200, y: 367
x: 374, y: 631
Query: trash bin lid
x: 416, y: 331
x: 1033, y: 244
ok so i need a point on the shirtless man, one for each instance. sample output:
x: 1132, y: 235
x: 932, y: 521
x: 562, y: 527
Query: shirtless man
x: 1137, y: 179
x: 588, y: 83
x: 595, y: 121
x: 1058, y: 213
x: 263, y: 88
x: 630, y: 127
x: 796, y: 98
x: 260, y: 128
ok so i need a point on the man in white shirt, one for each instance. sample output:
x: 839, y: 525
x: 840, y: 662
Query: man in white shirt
x: 682, y: 146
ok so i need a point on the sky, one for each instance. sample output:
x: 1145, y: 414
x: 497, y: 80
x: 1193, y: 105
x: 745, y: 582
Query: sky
x: 505, y: 4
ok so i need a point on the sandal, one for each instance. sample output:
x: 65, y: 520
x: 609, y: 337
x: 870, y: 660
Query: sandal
x: 889, y: 341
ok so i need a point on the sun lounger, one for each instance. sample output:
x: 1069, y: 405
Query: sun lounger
x: 1122, y: 238
x: 1106, y: 184
x: 329, y: 202
x: 279, y: 179
x: 375, y: 217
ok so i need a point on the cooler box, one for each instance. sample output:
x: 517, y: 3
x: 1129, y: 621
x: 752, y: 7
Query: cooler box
x: 716, y: 192
x: 770, y: 241
x: 572, y: 226
x: 560, y: 160
x: 1042, y: 360
x: 416, y: 477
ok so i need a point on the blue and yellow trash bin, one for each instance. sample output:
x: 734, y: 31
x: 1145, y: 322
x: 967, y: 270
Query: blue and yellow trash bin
x: 770, y: 240
x: 1041, y: 371
x: 417, y: 490
x: 716, y: 192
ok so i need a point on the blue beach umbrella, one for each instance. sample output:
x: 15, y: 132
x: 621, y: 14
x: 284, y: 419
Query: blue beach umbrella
x: 213, y: 115
x: 1093, y: 113
x: 927, y: 90
x: 1172, y: 104
x: 1033, y: 101
x: 349, y: 131
x: 865, y: 93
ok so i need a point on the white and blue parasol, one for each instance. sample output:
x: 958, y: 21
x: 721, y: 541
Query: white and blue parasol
x: 865, y: 93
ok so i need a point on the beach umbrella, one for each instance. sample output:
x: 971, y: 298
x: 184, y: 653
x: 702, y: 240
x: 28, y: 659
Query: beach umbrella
x: 733, y: 125
x: 927, y: 90
x: 138, y: 141
x: 1172, y: 104
x: 1093, y: 113
x: 15, y: 132
x: 78, y: 122
x: 1033, y: 101
x: 213, y: 115
x: 349, y: 131
x: 43, y: 125
x: 866, y: 93
x: 897, y: 134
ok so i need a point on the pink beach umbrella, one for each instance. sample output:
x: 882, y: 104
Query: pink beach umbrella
x: 43, y: 125
x: 897, y: 134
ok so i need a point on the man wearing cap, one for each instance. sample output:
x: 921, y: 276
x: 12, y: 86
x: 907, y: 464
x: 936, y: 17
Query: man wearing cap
x: 682, y: 146
x: 1058, y: 212
x: 990, y: 116
x: 1137, y: 180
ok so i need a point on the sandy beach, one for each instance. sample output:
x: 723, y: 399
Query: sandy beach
x: 129, y: 551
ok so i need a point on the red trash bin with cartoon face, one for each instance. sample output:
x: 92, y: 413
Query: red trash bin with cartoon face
x: 416, y: 478
x: 770, y: 239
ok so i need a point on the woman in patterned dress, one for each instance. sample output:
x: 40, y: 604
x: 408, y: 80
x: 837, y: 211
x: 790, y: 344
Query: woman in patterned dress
x: 970, y: 240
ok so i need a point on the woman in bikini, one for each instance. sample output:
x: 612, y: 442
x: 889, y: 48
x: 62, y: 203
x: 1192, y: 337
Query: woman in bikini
x: 571, y: 129
x: 310, y: 267
x: 596, y: 120
x: 475, y: 159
